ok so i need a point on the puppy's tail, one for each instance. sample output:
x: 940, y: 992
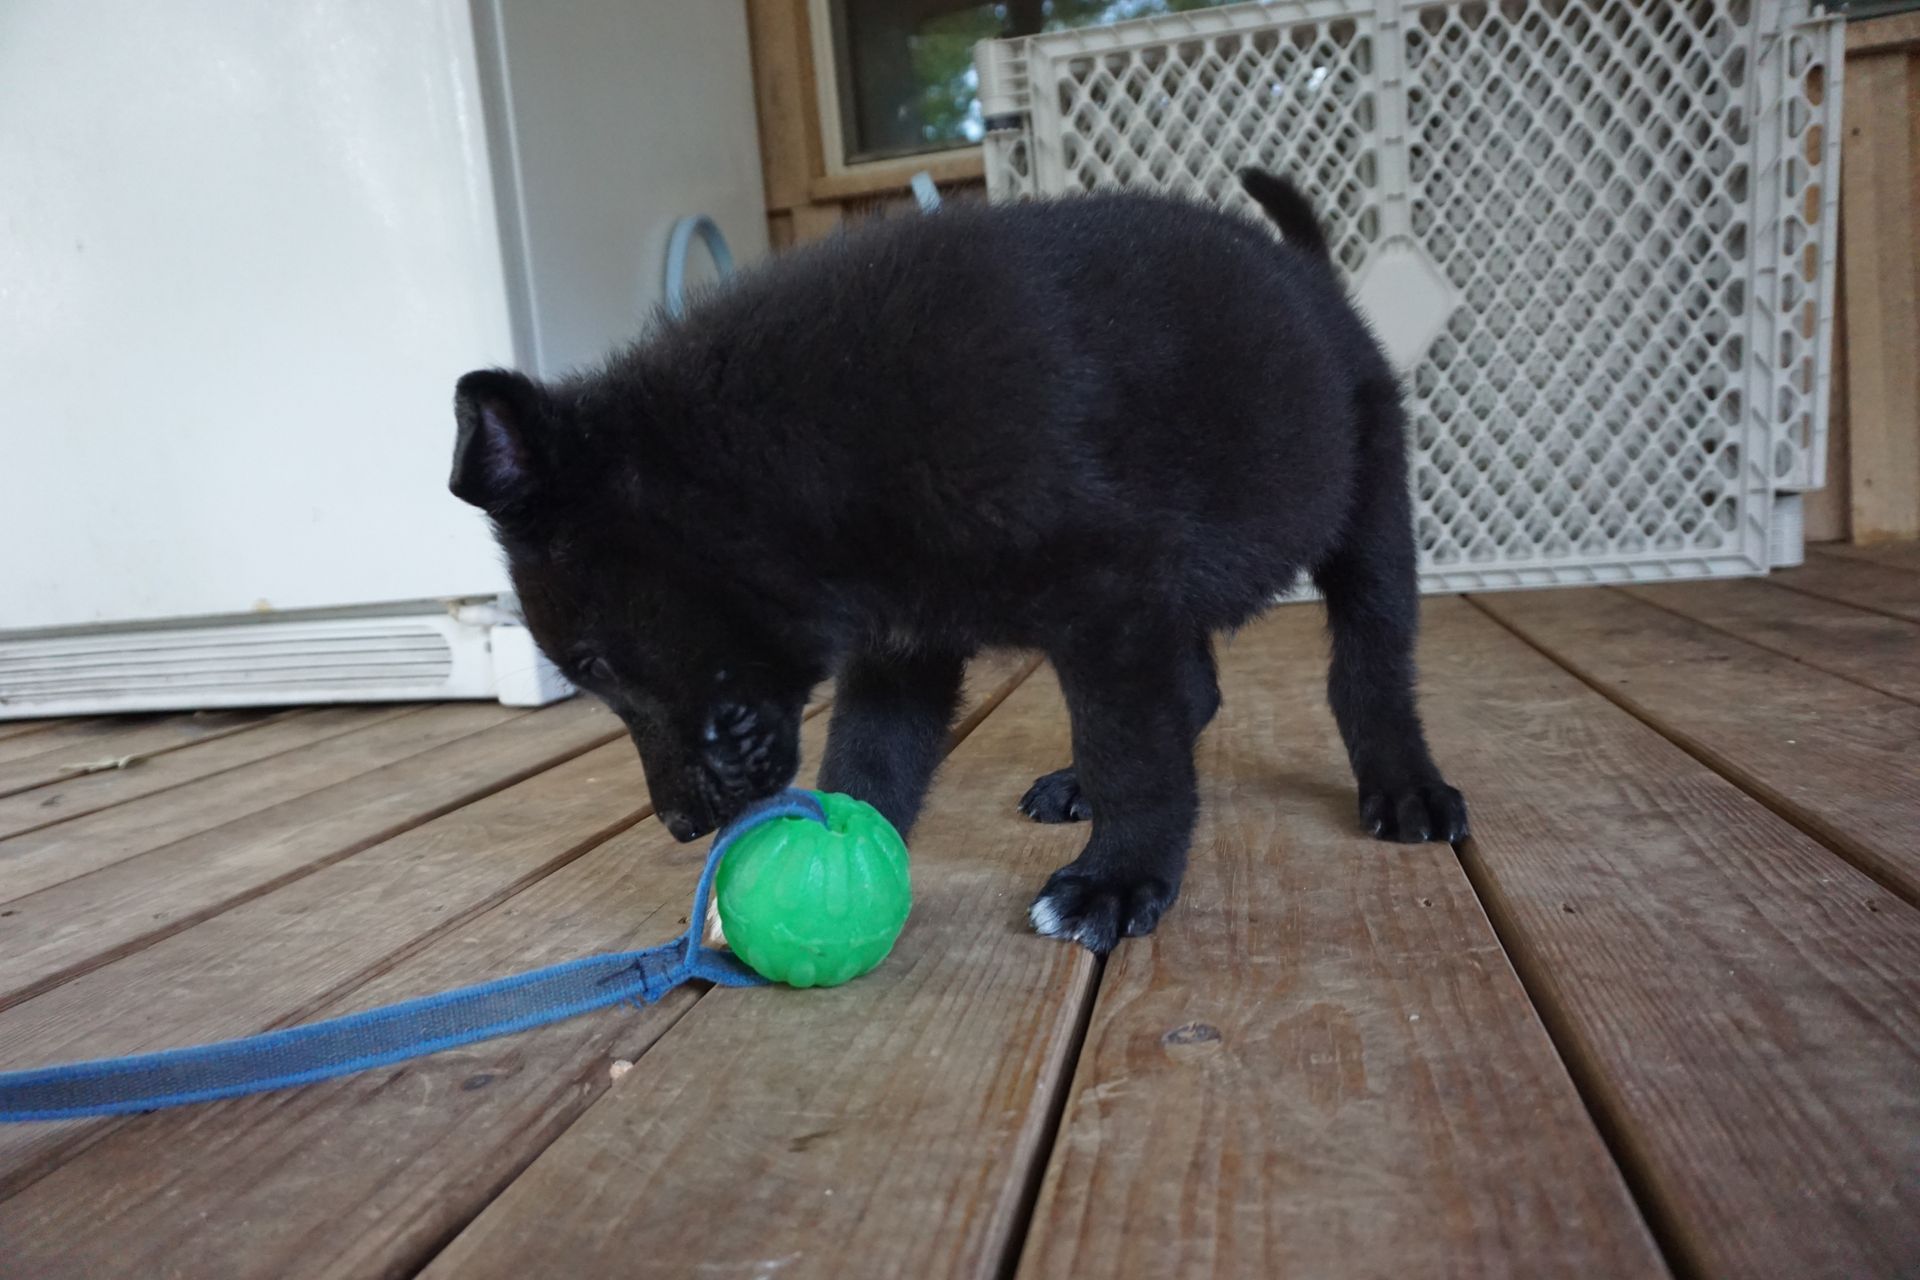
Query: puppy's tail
x: 1290, y: 211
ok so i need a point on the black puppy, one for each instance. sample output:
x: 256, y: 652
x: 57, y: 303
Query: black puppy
x: 1104, y: 427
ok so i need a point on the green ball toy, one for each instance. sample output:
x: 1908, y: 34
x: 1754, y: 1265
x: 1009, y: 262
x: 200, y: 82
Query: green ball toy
x: 812, y: 905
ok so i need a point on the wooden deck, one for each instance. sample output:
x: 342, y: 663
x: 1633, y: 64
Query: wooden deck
x: 1661, y: 1016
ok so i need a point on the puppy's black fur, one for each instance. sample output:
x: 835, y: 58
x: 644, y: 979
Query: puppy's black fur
x: 1105, y: 427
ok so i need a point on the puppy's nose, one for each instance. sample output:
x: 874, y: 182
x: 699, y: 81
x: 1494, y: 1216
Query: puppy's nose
x: 682, y: 828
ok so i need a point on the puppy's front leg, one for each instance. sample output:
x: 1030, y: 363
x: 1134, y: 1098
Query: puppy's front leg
x: 891, y: 716
x: 1133, y: 754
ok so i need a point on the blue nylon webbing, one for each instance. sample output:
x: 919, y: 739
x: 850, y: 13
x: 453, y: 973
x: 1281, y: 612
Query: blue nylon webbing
x: 377, y: 1037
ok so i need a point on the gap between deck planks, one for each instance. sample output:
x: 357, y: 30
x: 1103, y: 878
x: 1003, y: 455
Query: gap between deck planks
x: 883, y: 1128
x: 1868, y: 648
x: 370, y: 1173
x: 80, y: 846
x: 62, y: 753
x: 410, y: 771
x: 1730, y: 1004
x: 1321, y: 1064
x: 890, y: 1129
x: 1895, y: 555
x: 266, y: 960
x: 1865, y: 584
x: 17, y: 744
x: 72, y: 740
x: 1741, y: 1007
x: 18, y: 728
x: 73, y: 796
x: 1835, y: 758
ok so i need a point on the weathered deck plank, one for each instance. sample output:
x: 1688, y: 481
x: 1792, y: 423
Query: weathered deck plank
x: 282, y: 1185
x: 1322, y: 1064
x: 81, y: 735
x: 274, y: 959
x: 81, y: 846
x: 79, y: 794
x: 62, y: 752
x: 366, y: 1175
x: 436, y: 765
x: 1838, y: 757
x: 884, y: 1128
x: 18, y: 728
x: 1865, y: 584
x: 1897, y: 555
x: 1866, y: 647
x: 1741, y: 1007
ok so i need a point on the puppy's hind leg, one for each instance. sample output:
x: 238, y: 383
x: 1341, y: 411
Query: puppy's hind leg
x: 1133, y: 758
x: 891, y: 717
x: 1373, y: 609
x: 1057, y: 796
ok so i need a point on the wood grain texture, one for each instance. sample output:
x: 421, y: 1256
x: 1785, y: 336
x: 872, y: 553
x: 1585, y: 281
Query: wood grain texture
x: 83, y: 736
x: 784, y: 98
x: 1892, y: 31
x: 804, y: 201
x: 282, y: 1185
x: 365, y: 1175
x: 49, y: 936
x: 45, y: 735
x: 274, y: 959
x: 1868, y: 648
x: 1860, y: 583
x: 17, y: 728
x: 1880, y: 185
x: 811, y: 221
x: 61, y: 756
x: 81, y: 794
x: 1837, y: 757
x: 955, y: 168
x: 272, y: 1179
x: 80, y: 846
x: 1321, y: 1064
x: 878, y: 1129
x: 1894, y: 555
x: 779, y: 230
x: 1742, y: 1008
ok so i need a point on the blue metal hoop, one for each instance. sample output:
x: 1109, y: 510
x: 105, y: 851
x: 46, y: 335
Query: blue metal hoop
x: 677, y: 245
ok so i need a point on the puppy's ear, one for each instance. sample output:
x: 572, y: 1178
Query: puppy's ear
x: 501, y: 418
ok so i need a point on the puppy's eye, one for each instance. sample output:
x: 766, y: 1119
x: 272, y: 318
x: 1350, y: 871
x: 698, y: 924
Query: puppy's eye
x: 587, y: 669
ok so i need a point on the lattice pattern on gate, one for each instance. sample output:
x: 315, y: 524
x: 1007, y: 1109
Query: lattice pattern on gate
x: 1597, y: 234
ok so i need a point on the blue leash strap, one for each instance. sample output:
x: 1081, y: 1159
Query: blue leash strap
x: 396, y: 1032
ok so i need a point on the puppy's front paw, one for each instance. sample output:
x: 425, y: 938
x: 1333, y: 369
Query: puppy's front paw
x: 1097, y: 909
x: 1055, y: 797
x: 1414, y: 812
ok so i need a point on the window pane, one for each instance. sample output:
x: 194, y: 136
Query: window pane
x: 904, y: 68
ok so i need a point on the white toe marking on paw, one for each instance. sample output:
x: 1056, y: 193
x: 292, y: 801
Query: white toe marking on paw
x: 1045, y: 919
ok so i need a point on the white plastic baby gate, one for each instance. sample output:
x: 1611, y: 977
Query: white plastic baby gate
x: 1598, y: 237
